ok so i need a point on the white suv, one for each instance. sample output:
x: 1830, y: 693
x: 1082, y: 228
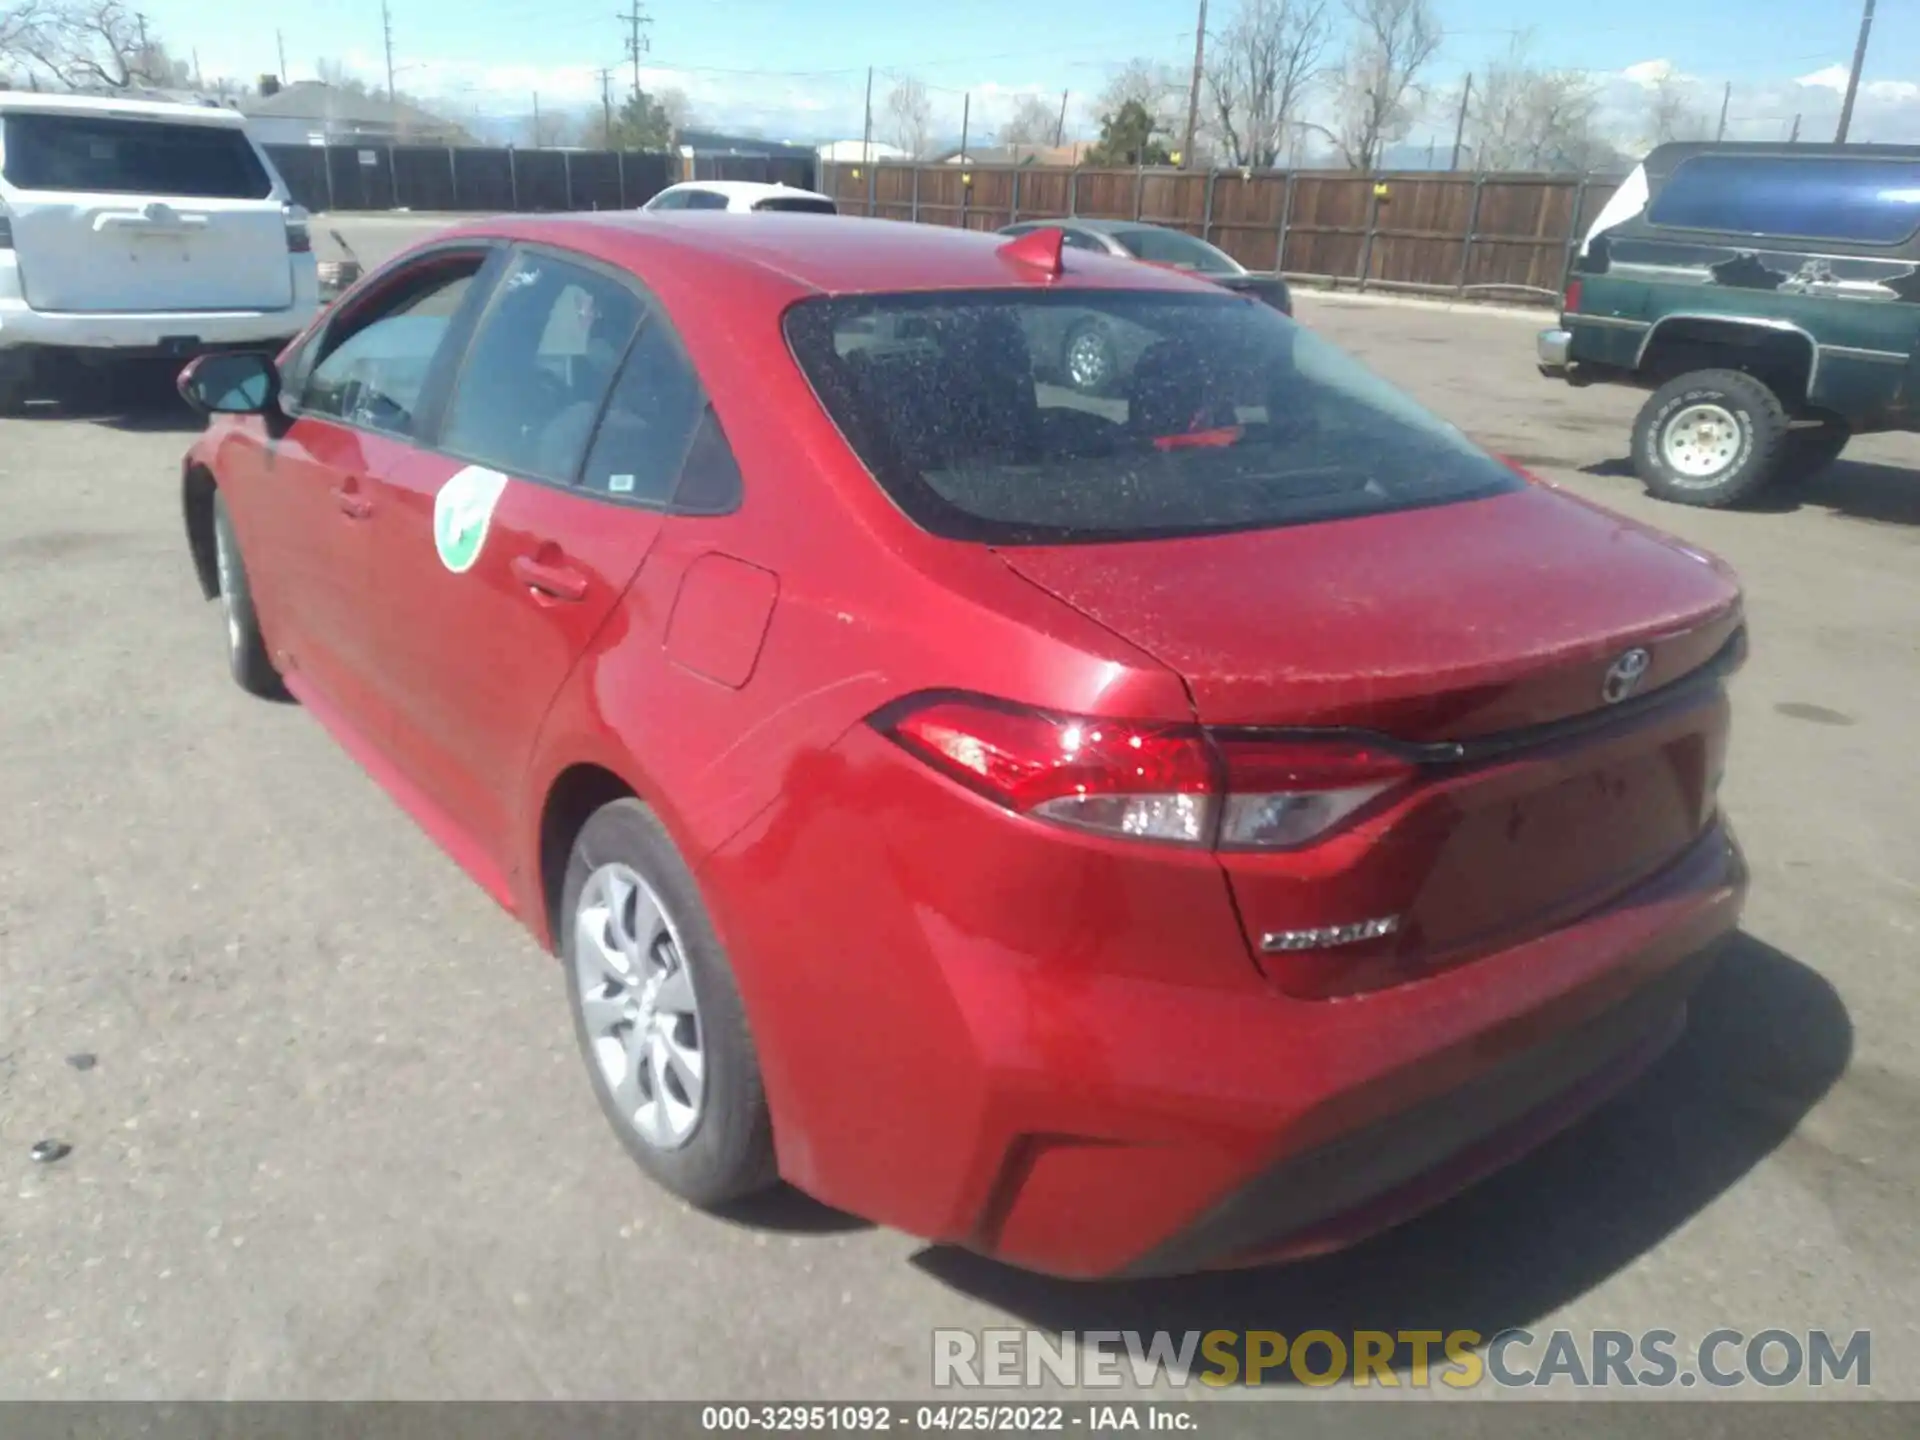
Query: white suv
x: 136, y: 229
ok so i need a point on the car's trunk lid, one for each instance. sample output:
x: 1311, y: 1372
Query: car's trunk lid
x: 1498, y: 624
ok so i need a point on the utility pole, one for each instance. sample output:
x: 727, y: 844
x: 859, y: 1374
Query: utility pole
x: 866, y: 129
x: 606, y: 107
x: 386, y: 30
x: 1060, y: 130
x: 1853, y: 79
x: 281, y: 40
x: 1460, y: 125
x: 1725, y: 96
x: 1793, y: 136
x: 198, y: 83
x: 1193, y: 90
x: 538, y: 142
x: 966, y: 115
x: 637, y: 44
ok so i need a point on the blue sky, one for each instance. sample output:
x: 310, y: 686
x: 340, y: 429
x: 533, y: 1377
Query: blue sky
x: 800, y: 64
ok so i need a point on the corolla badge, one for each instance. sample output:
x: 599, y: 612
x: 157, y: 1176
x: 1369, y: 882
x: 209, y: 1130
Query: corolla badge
x: 1624, y: 675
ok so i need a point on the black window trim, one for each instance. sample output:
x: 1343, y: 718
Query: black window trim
x: 651, y: 311
x: 1653, y: 200
x: 296, y: 374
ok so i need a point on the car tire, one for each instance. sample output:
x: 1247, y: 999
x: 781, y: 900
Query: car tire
x: 1711, y: 438
x: 1812, y: 448
x: 247, y: 655
x: 658, y: 1015
x: 1088, y: 362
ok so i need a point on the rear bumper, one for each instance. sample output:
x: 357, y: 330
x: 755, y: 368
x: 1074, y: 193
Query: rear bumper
x: 131, y: 335
x: 127, y: 334
x: 1029, y: 1059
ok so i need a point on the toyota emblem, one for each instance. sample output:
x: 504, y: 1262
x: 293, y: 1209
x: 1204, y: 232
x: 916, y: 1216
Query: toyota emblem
x: 1624, y: 675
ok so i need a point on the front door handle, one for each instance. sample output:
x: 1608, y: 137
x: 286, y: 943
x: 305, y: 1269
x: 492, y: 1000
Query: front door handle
x: 352, y: 503
x: 551, y: 581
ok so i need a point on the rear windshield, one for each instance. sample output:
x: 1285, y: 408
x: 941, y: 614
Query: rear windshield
x: 1171, y: 247
x: 97, y: 154
x: 798, y: 204
x: 1212, y: 413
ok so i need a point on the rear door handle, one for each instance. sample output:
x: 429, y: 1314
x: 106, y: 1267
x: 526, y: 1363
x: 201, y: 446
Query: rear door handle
x: 553, y: 581
x: 352, y: 503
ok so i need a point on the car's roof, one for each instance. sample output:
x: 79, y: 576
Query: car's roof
x: 27, y: 100
x: 844, y: 256
x: 743, y: 189
x: 1107, y: 227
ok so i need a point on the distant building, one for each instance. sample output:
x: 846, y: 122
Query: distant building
x: 1073, y: 154
x: 852, y: 152
x: 309, y: 112
x: 710, y: 155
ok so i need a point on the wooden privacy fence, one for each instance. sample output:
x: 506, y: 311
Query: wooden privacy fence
x: 1496, y: 235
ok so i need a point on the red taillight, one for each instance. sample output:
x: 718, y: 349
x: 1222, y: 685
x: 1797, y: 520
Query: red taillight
x: 1123, y: 777
x: 1148, y: 780
x: 1572, y: 302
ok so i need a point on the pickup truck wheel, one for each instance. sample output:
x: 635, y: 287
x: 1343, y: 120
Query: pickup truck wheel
x: 1712, y: 438
x: 1813, y: 448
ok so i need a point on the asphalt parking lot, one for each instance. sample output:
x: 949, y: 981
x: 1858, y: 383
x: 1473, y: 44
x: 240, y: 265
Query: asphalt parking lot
x: 336, y: 1141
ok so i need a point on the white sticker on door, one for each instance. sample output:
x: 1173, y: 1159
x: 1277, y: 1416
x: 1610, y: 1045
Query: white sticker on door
x: 462, y: 512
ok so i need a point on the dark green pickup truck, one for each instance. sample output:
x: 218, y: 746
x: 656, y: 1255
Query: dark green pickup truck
x: 1768, y: 296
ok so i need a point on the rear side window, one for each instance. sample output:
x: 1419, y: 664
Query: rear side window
x: 539, y: 367
x: 650, y: 417
x: 92, y: 154
x: 1866, y: 202
x: 1212, y: 413
x: 798, y: 205
x: 705, y: 200
x: 1171, y: 247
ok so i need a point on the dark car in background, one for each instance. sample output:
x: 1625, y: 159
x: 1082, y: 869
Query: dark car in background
x: 1092, y: 356
x: 1768, y: 296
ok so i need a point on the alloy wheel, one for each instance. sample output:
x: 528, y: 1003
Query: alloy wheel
x: 638, y: 1007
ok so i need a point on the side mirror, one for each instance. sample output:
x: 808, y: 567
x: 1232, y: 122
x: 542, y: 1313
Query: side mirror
x: 237, y: 383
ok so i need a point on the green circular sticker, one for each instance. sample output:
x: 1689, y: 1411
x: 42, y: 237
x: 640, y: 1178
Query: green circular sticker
x: 462, y: 511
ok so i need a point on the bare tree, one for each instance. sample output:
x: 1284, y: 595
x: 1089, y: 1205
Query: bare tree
x: 1257, y: 70
x: 1671, y: 115
x: 1147, y: 83
x: 336, y: 75
x: 908, y: 116
x: 97, y: 45
x: 1378, y: 91
x: 1033, y: 122
x: 1524, y: 117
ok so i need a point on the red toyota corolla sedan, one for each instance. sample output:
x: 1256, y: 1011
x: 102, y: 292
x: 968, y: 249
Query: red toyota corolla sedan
x: 1204, y: 823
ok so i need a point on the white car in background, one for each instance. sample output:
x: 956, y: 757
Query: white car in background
x: 740, y: 195
x: 135, y: 229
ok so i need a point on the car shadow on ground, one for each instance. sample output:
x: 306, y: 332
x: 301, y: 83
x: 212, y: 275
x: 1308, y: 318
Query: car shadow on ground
x: 1862, y: 489
x: 139, y: 398
x: 1767, y: 1037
